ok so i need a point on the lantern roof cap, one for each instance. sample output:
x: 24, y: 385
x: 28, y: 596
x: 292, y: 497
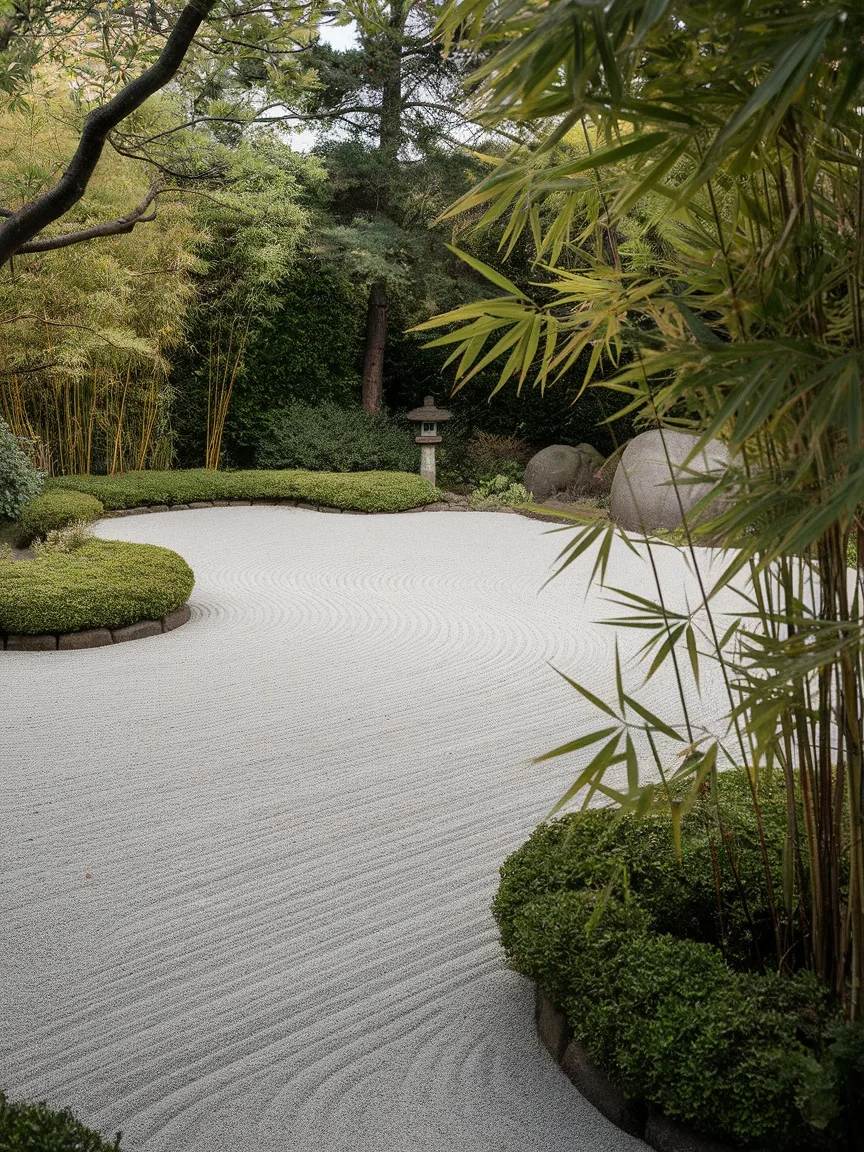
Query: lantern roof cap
x: 429, y: 412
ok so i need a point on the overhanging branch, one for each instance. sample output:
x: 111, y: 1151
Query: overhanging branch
x: 109, y: 228
x: 25, y: 224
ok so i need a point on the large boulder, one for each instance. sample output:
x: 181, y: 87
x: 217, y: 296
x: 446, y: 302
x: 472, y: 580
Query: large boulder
x: 561, y: 467
x: 645, y: 495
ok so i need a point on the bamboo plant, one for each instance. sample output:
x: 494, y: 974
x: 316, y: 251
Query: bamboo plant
x: 695, y: 196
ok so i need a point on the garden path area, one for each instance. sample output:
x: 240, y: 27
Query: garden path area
x: 247, y: 865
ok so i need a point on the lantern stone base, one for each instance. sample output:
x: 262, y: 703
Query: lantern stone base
x: 427, y: 463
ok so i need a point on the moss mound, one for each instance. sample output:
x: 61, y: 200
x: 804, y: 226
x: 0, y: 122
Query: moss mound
x: 680, y: 1008
x: 38, y: 1128
x: 57, y: 509
x: 101, y: 584
x: 355, y: 491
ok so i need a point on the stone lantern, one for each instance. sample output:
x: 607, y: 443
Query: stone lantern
x: 428, y: 417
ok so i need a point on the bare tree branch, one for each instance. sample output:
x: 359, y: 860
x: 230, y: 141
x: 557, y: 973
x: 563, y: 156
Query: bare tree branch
x: 20, y: 228
x: 109, y: 228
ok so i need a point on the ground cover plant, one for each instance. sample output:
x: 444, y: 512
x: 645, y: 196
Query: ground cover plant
x: 91, y: 583
x: 667, y: 979
x: 37, y: 1128
x: 498, y: 492
x: 359, y: 491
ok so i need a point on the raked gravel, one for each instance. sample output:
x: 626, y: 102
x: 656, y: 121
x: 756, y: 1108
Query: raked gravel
x: 247, y: 865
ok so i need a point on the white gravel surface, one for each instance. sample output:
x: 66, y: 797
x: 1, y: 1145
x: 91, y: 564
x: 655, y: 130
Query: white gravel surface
x: 247, y: 865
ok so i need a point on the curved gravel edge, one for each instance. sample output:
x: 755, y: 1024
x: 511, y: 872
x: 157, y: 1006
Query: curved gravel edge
x: 93, y: 637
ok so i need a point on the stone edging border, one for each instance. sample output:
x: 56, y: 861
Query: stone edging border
x: 630, y: 1116
x: 93, y: 637
x: 439, y: 506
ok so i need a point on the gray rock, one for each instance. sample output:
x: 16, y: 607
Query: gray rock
x: 552, y: 1025
x: 176, y: 618
x: 602, y: 1092
x: 137, y: 631
x: 645, y: 496
x: 86, y: 638
x: 666, y: 1136
x: 561, y: 467
x: 20, y: 642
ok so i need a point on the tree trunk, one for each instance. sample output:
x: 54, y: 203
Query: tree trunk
x: 376, y: 335
x: 390, y: 121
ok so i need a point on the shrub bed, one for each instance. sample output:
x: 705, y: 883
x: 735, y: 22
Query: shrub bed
x: 101, y: 584
x: 356, y: 491
x: 679, y: 1014
x: 56, y: 509
x: 327, y: 438
x: 38, y: 1128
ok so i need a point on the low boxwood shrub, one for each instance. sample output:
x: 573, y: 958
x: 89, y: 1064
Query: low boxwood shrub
x: 56, y: 509
x: 38, y: 1128
x: 356, y: 491
x: 327, y: 438
x: 101, y: 584
x: 19, y: 480
x: 678, y: 1011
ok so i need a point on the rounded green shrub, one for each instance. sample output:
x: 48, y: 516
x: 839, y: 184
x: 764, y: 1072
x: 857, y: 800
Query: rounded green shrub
x: 101, y: 584
x: 327, y: 438
x: 38, y: 1128
x: 680, y: 1009
x: 57, y: 509
x: 19, y: 480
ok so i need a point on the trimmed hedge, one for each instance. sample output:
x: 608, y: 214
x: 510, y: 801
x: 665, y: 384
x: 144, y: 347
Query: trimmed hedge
x: 57, y: 509
x: 746, y: 1056
x: 328, y: 438
x: 38, y: 1128
x: 356, y: 491
x: 101, y: 584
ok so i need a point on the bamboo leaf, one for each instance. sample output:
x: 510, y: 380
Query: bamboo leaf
x: 654, y: 721
x: 574, y: 745
x: 589, y: 696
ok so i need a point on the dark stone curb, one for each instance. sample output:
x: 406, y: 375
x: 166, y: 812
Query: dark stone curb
x: 631, y: 1116
x: 93, y: 637
x: 113, y: 514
